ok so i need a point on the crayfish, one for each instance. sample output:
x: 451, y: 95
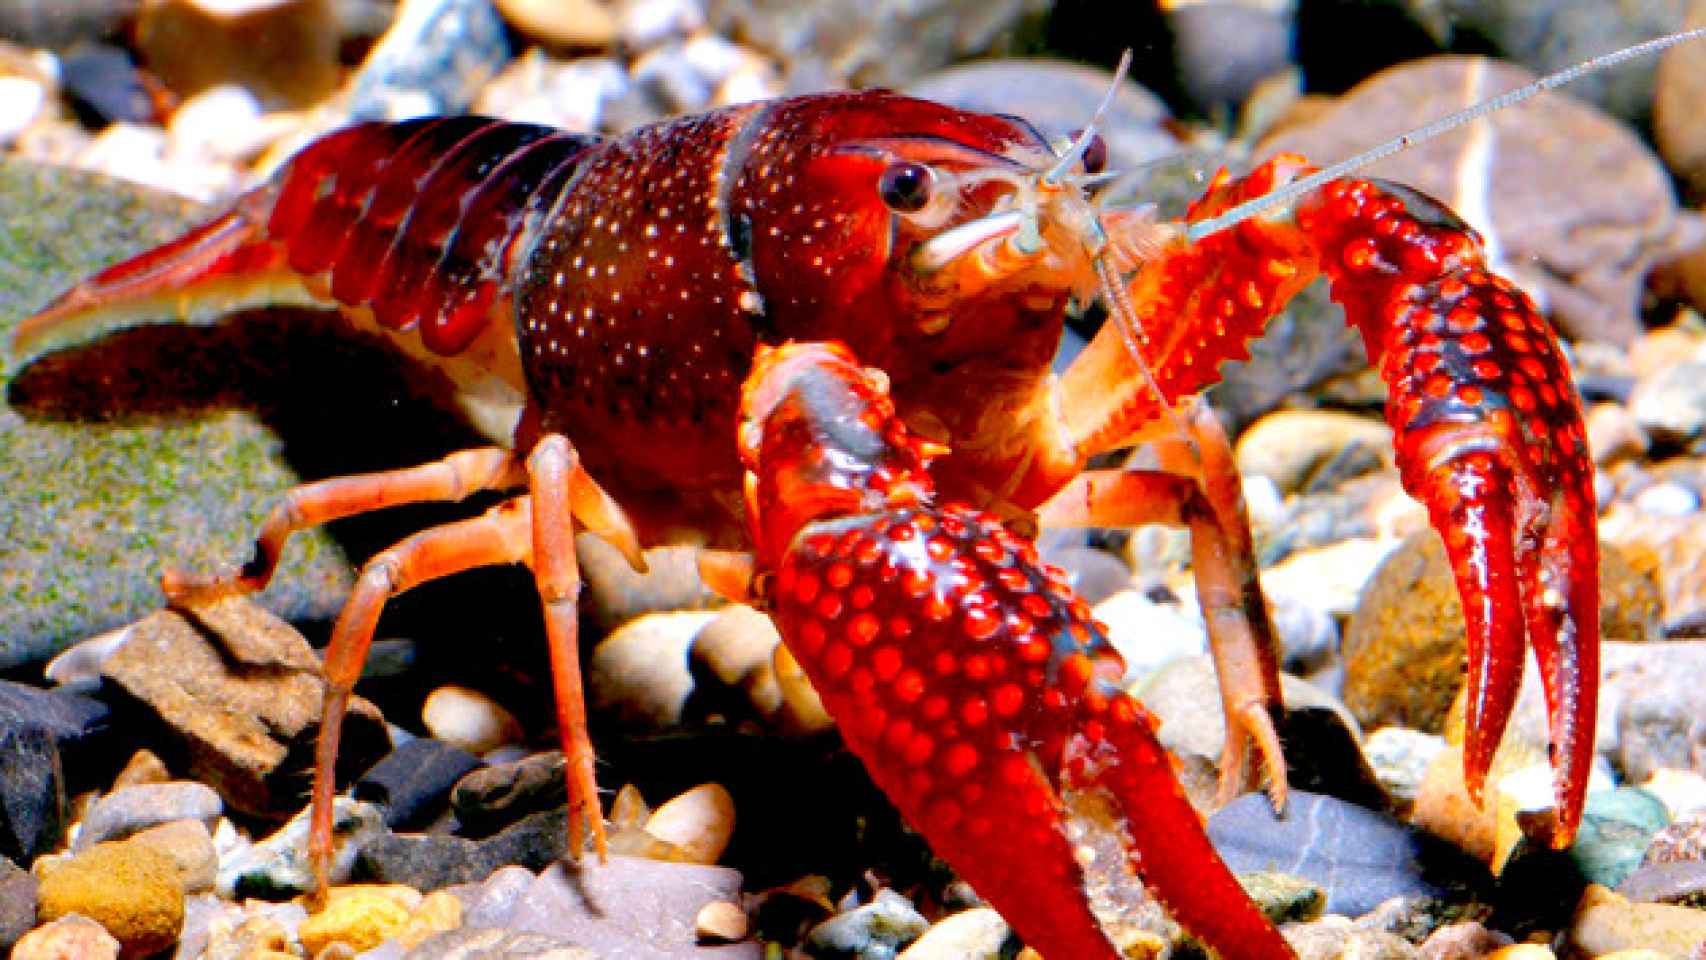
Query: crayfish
x: 585, y: 293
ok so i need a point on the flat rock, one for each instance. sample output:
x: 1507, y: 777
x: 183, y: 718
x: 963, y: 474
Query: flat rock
x: 238, y: 693
x: 133, y: 809
x: 479, y: 943
x: 1575, y: 208
x: 627, y: 907
x: 436, y: 861
x: 32, y: 793
x: 412, y: 781
x: 1358, y: 856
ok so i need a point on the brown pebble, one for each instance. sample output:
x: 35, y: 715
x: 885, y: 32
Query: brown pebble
x: 143, y: 767
x: 73, y: 937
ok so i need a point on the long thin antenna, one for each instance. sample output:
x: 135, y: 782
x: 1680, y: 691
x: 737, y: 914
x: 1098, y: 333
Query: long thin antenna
x: 1088, y: 134
x: 1250, y: 208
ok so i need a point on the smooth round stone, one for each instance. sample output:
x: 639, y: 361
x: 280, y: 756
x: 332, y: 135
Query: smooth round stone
x: 721, y: 921
x: 73, y: 936
x: 697, y: 823
x: 469, y: 719
x: 1400, y: 758
x: 1667, y: 499
x: 565, y: 23
x: 976, y: 934
x: 1148, y: 634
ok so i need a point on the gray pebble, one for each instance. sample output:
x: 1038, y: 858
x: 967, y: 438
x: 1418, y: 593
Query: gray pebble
x: 129, y: 810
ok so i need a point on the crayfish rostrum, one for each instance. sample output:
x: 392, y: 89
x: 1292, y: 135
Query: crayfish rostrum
x: 599, y: 304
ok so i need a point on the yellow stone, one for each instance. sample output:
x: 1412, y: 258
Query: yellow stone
x: 129, y: 889
x: 361, y: 916
x: 1523, y: 951
x: 439, y: 911
x: 1606, y: 923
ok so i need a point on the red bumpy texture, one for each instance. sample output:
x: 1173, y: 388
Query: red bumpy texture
x: 1486, y: 422
x: 967, y: 675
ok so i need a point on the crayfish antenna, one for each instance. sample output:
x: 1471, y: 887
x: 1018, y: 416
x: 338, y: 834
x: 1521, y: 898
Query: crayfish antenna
x: 1403, y: 141
x: 1087, y: 136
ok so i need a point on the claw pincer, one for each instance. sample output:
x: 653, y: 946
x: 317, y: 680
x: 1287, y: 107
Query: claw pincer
x: 1486, y: 421
x: 965, y: 673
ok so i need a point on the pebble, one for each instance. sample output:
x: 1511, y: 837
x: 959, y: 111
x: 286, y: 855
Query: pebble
x: 644, y: 24
x: 1059, y: 97
x: 1400, y: 758
x: 21, y: 102
x: 361, y: 917
x: 1655, y: 701
x: 615, y: 593
x: 736, y: 652
x: 1404, y: 648
x: 1312, y: 450
x: 1683, y: 839
x: 469, y: 720
x: 1605, y: 922
x: 1465, y: 940
x: 1334, y: 938
x: 17, y: 903
x: 803, y: 712
x: 488, y: 799
x: 870, y: 931
x: 1225, y: 49
x: 434, y: 60
x: 434, y: 861
x: 721, y: 921
x: 276, y: 868
x: 479, y: 943
x: 1681, y: 882
x: 143, y: 767
x: 563, y: 23
x: 698, y: 823
x: 188, y: 844
x: 103, y: 84
x: 223, y: 123
x: 217, y: 930
x: 128, y: 888
x: 73, y: 937
x: 1358, y: 856
x: 412, y: 781
x: 1614, y: 434
x: 570, y: 95
x: 625, y: 907
x: 1670, y: 404
x: 1683, y: 791
x: 238, y: 691
x: 639, y: 672
x: 32, y: 792
x: 976, y: 934
x: 282, y: 51
x: 131, y: 809
x: 1147, y: 634
x: 1095, y: 574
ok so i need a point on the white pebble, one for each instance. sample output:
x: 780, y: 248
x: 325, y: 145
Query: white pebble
x: 1667, y: 499
x: 1683, y: 791
x: 1148, y: 634
x: 21, y: 100
x: 468, y: 719
x: 220, y: 123
x: 644, y: 24
x: 699, y: 822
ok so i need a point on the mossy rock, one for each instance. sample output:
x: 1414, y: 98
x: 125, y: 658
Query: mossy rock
x: 168, y: 444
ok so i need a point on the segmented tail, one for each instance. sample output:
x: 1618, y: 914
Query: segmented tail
x: 222, y: 266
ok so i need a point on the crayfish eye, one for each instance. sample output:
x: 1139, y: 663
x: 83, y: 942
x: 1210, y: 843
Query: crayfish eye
x: 1095, y: 158
x: 906, y: 187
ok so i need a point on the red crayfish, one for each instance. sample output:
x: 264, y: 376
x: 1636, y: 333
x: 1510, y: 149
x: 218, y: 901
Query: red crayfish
x: 599, y: 304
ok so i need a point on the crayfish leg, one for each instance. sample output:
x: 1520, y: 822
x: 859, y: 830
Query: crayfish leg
x: 448, y: 480
x: 1198, y: 488
x: 500, y: 535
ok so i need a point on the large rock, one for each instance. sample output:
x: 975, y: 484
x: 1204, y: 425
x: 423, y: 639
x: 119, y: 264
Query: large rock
x: 1573, y: 206
x: 92, y: 508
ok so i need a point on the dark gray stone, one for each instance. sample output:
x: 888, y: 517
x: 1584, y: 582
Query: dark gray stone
x: 1358, y: 856
x: 412, y: 781
x: 32, y: 793
x: 431, y: 862
x: 491, y: 798
x: 433, y: 62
